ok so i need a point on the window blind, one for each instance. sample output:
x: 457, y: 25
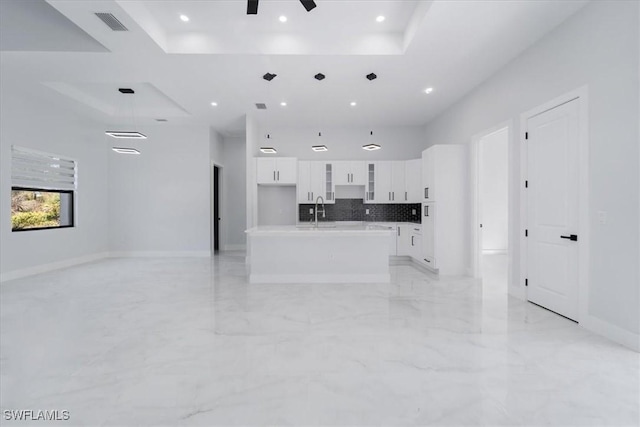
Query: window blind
x: 35, y: 169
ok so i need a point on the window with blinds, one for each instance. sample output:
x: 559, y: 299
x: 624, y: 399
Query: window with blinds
x: 42, y: 190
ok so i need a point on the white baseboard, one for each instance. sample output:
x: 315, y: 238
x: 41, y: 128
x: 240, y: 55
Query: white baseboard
x: 44, y: 268
x: 494, y: 252
x: 610, y: 331
x: 319, y: 278
x: 160, y: 254
x: 517, y: 292
x: 234, y: 247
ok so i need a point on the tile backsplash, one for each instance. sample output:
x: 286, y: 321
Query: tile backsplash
x: 355, y: 210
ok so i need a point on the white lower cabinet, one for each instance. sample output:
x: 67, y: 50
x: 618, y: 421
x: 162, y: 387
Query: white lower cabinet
x: 403, y: 240
x: 429, y: 234
x: 415, y: 248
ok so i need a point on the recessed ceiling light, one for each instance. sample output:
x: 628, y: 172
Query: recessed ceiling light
x: 125, y: 150
x: 283, y: 18
x: 371, y: 147
x: 268, y: 150
x: 125, y: 134
x: 184, y: 18
x: 380, y: 18
x: 428, y: 90
x: 354, y: 103
x: 214, y: 104
x: 319, y: 148
x: 284, y: 104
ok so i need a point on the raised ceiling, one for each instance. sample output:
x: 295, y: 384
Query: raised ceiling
x: 221, y: 55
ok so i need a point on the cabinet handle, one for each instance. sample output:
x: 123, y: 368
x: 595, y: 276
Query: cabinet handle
x: 366, y: 193
x: 274, y: 175
x: 427, y: 260
x: 412, y: 240
x: 405, y: 196
x: 389, y: 195
x: 278, y: 175
x: 426, y: 210
x: 312, y: 196
x: 572, y: 237
x: 398, y: 231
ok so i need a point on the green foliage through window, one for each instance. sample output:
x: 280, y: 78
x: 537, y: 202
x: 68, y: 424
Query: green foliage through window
x: 34, y: 209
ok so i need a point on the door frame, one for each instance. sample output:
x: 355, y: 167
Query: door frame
x: 582, y: 96
x: 476, y: 248
x: 221, y: 197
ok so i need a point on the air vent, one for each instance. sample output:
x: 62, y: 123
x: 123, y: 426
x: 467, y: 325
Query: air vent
x: 261, y: 106
x: 111, y: 21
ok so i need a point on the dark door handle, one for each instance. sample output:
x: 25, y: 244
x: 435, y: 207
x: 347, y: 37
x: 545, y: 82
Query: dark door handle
x: 572, y: 237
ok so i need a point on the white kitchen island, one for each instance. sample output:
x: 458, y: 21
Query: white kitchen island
x: 304, y: 254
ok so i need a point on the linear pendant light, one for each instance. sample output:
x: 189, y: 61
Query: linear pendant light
x: 125, y: 134
x: 122, y: 150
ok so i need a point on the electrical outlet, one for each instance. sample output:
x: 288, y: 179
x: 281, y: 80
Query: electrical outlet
x: 366, y: 211
x: 602, y: 217
x: 311, y: 211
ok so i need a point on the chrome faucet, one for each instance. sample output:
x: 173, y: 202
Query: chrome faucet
x: 316, y: 209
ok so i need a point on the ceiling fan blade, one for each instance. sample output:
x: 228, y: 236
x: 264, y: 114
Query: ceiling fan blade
x: 252, y: 7
x: 308, y: 4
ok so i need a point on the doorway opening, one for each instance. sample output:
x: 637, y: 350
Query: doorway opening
x: 491, y: 223
x: 216, y: 208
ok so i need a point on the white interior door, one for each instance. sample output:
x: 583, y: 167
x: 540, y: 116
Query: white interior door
x: 552, y: 209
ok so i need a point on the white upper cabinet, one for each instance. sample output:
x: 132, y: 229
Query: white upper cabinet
x: 304, y: 182
x: 441, y: 171
x: 277, y: 170
x: 399, y: 193
x: 315, y: 178
x: 386, y: 182
x: 378, y: 189
x: 428, y: 174
x: 349, y: 173
x: 413, y: 180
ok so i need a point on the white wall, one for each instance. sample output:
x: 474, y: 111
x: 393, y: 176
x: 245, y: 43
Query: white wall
x: 493, y: 181
x: 597, y: 47
x: 253, y: 141
x: 43, y: 124
x: 160, y: 201
x: 277, y: 205
x: 398, y: 143
x: 234, y: 178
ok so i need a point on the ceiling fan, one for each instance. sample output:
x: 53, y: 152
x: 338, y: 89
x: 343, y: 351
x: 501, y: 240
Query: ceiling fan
x: 252, y: 6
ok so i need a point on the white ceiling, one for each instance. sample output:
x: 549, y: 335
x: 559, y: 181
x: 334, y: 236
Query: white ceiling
x: 221, y: 54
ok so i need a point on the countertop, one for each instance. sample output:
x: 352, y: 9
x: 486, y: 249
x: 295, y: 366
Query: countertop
x: 324, y: 228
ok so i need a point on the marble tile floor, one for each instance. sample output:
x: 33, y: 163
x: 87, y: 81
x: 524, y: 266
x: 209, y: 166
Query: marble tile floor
x: 181, y: 342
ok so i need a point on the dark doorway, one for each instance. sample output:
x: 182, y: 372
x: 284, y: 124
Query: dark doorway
x: 216, y: 208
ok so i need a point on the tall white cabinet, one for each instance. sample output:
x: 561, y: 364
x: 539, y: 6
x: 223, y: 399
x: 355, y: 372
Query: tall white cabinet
x: 444, y: 178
